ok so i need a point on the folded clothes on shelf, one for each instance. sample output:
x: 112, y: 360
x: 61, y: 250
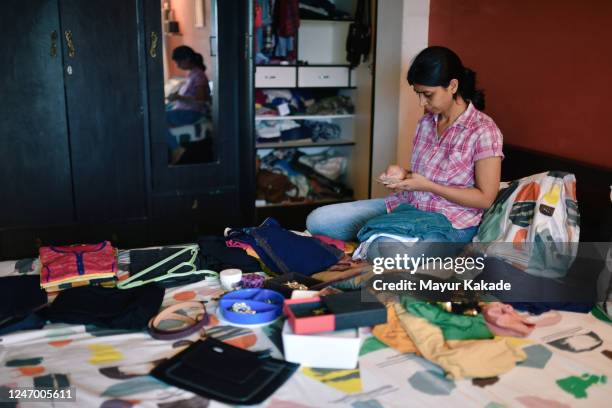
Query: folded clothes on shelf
x: 274, y: 129
x: 302, y: 102
x: 328, y: 163
x: 274, y: 187
x: 315, y: 176
x: 333, y: 105
x: 322, y: 130
x: 269, y: 131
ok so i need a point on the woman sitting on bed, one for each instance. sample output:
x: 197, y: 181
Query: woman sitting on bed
x: 192, y: 100
x: 456, y: 158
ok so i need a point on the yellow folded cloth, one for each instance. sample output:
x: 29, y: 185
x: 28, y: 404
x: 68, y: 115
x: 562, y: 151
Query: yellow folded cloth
x: 460, y: 358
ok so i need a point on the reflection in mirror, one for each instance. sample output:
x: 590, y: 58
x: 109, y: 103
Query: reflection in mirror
x: 189, y: 75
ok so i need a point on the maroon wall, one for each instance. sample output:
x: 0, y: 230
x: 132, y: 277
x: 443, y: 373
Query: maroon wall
x: 545, y: 65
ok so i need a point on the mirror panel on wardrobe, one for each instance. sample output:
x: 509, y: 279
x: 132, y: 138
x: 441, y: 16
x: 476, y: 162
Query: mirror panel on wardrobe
x: 189, y: 42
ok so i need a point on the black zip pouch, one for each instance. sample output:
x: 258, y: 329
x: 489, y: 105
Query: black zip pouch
x: 225, y: 373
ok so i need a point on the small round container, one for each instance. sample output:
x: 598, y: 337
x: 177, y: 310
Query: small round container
x: 230, y: 278
x: 252, y: 280
x: 267, y: 304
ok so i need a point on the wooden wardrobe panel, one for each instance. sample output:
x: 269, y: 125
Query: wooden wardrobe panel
x: 105, y: 109
x: 35, y: 181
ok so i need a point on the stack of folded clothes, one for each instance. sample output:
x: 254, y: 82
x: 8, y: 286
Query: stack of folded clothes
x: 272, y: 102
x: 316, y: 176
x: 270, y: 131
x: 70, y: 266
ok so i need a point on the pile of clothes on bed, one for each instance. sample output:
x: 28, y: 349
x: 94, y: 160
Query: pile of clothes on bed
x: 151, y: 301
x: 476, y: 340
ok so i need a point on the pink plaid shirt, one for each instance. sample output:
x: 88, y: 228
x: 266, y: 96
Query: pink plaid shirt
x: 196, y: 78
x: 449, y: 161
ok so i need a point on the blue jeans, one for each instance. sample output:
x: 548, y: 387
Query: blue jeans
x: 343, y: 221
x: 179, y: 117
x: 434, y: 244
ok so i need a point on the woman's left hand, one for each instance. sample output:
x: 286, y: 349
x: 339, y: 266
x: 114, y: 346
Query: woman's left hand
x: 412, y: 182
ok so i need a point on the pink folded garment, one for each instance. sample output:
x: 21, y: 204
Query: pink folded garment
x: 230, y: 243
x: 331, y: 241
x: 503, y: 320
x: 64, y: 264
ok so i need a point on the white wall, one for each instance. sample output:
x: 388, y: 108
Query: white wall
x: 402, y: 32
x: 414, y: 39
x: 386, y: 92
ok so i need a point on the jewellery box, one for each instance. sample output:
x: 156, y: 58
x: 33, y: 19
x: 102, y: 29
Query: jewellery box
x: 287, y: 283
x: 345, y: 310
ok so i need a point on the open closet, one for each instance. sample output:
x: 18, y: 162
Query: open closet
x: 313, y: 107
x: 89, y: 150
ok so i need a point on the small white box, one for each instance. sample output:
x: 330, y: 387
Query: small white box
x: 333, y: 349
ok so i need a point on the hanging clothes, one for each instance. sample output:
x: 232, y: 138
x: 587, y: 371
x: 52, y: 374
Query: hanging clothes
x: 287, y: 17
x: 359, y: 39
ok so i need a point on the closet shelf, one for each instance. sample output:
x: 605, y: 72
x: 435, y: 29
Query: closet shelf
x: 304, y: 117
x: 305, y: 202
x: 302, y: 65
x: 334, y: 20
x: 304, y: 143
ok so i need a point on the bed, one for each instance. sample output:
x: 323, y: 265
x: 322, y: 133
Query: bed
x: 568, y: 364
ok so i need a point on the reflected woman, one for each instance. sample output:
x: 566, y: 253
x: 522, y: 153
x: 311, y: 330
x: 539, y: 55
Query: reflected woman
x: 191, y: 102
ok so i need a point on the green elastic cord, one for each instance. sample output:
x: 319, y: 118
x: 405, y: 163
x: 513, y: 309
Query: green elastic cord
x: 135, y: 280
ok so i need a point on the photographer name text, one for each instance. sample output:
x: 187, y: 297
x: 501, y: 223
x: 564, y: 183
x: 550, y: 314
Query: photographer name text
x: 466, y: 285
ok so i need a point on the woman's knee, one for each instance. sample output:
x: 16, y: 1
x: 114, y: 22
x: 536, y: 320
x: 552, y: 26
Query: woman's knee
x: 318, y: 219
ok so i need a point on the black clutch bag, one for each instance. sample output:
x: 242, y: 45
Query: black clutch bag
x: 225, y: 373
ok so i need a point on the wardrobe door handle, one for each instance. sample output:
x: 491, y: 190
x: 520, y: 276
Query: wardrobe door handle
x: 213, y: 45
x: 270, y: 76
x: 53, y: 50
x: 323, y: 76
x: 70, y: 43
x: 153, y: 48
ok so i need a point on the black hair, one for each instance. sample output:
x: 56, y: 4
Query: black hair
x: 437, y: 66
x: 184, y: 52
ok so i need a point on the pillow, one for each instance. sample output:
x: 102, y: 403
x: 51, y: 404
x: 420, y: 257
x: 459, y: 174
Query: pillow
x: 534, y: 224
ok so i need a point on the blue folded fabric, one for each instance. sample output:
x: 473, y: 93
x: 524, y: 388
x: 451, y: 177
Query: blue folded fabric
x: 284, y: 251
x: 408, y: 221
x: 29, y: 322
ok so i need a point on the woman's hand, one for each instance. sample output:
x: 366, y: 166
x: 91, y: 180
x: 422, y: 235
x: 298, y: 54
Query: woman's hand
x: 173, y: 97
x: 394, y: 173
x: 413, y: 182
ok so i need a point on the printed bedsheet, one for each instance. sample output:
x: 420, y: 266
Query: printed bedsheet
x: 568, y: 364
